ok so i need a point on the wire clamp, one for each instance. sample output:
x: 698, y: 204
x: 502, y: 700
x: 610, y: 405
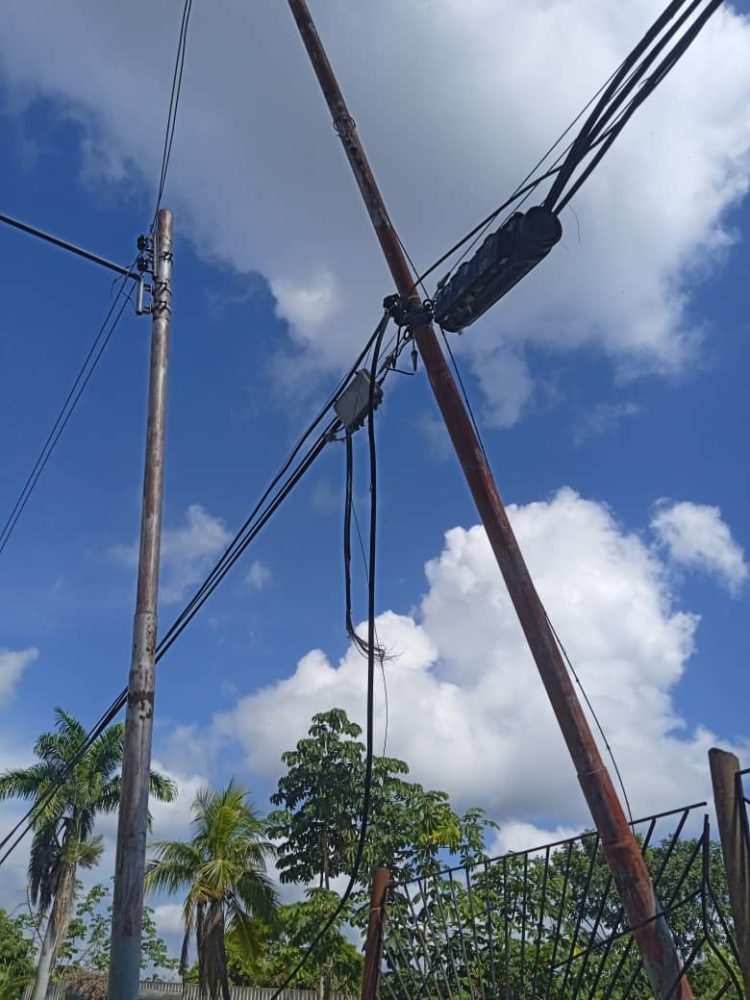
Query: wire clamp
x: 405, y: 316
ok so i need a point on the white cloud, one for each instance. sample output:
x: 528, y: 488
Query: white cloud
x: 603, y: 419
x: 467, y: 708
x: 12, y: 665
x: 187, y: 553
x: 259, y: 575
x: 515, y: 835
x: 696, y: 536
x: 261, y: 183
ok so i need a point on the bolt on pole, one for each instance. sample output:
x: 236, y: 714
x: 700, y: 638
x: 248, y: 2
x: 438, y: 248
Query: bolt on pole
x: 653, y: 938
x: 130, y: 861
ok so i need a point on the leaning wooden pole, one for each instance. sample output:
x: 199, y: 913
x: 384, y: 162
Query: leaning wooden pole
x: 381, y: 878
x: 655, y: 943
x: 730, y: 810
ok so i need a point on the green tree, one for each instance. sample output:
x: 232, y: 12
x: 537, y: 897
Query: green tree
x: 17, y: 951
x: 87, y: 945
x: 321, y: 797
x: 410, y: 828
x: 223, y: 869
x: 335, y: 960
x: 70, y: 797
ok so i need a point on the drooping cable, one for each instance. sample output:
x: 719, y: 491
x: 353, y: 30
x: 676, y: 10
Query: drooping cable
x: 357, y: 640
x: 90, y: 362
x: 379, y: 645
x: 370, y: 707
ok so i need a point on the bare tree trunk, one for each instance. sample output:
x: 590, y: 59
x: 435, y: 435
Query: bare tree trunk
x: 57, y: 925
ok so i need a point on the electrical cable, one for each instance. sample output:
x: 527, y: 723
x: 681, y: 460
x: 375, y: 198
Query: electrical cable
x: 62, y: 417
x: 90, y: 362
x: 174, y: 100
x: 649, y: 86
x: 382, y: 659
x: 591, y: 134
x: 464, y: 393
x: 244, y: 536
x: 24, y: 227
x: 595, y: 717
x: 559, y: 642
x: 370, y: 708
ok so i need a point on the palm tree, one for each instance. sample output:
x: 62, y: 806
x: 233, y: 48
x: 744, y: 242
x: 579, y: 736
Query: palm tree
x: 223, y: 869
x: 70, y: 795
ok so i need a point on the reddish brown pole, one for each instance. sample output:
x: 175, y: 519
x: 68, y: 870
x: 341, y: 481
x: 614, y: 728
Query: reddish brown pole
x: 652, y: 935
x: 381, y: 878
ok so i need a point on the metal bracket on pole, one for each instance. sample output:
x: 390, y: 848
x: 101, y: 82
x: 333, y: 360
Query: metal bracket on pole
x: 145, y: 264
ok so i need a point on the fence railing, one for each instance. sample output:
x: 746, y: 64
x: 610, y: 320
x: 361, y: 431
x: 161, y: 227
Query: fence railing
x: 547, y: 923
x: 151, y: 990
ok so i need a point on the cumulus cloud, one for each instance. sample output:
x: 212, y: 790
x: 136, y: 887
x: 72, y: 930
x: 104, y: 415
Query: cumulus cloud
x: 467, y: 708
x: 12, y: 665
x: 259, y: 182
x: 696, y: 536
x: 519, y: 836
x: 187, y: 552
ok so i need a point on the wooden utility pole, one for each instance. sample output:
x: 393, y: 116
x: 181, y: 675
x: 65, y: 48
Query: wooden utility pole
x: 381, y: 878
x: 726, y: 779
x: 130, y: 861
x: 655, y: 943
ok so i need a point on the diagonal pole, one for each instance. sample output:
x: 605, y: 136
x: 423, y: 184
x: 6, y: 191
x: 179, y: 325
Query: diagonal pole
x: 655, y: 943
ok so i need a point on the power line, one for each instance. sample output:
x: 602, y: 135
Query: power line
x: 593, y: 135
x: 174, y: 100
x: 95, y: 352
x: 258, y: 518
x: 24, y: 227
x: 370, y: 708
x: 558, y: 640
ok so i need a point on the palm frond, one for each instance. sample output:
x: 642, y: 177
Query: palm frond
x: 162, y: 787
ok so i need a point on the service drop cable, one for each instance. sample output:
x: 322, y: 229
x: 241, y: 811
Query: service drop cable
x: 259, y: 517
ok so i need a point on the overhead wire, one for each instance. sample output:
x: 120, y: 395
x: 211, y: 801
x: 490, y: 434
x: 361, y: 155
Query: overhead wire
x: 259, y: 517
x: 558, y: 640
x: 105, y: 331
x: 379, y: 645
x: 90, y: 362
x: 174, y: 101
x: 590, y: 137
x: 370, y: 705
x: 92, y: 359
x: 73, y: 248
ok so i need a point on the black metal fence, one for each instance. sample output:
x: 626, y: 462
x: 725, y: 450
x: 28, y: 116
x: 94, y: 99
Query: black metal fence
x: 547, y: 923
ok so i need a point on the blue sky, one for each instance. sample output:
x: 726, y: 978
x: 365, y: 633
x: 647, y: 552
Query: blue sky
x: 628, y: 390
